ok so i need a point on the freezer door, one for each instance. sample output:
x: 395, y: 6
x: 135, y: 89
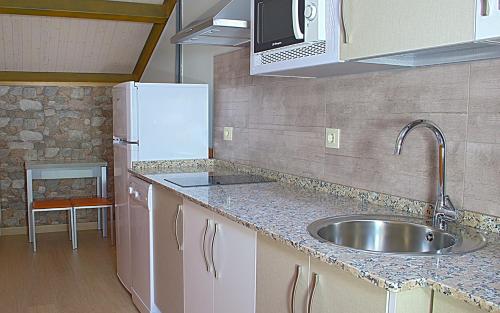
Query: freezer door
x: 123, y: 250
x: 173, y: 121
x: 125, y: 112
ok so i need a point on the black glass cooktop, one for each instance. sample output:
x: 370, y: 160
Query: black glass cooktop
x: 210, y: 179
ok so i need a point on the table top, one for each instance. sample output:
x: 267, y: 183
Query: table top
x: 29, y: 165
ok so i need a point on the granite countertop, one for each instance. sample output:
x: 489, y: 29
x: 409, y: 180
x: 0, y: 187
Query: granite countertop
x: 283, y: 212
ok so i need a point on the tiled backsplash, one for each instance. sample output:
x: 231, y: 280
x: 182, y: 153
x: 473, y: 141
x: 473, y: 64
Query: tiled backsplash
x: 51, y: 123
x: 279, y: 123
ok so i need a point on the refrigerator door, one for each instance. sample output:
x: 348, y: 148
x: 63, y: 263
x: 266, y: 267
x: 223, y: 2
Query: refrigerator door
x: 125, y: 112
x: 173, y: 121
x: 122, y: 161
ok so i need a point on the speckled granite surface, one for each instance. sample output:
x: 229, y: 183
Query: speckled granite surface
x: 283, y: 211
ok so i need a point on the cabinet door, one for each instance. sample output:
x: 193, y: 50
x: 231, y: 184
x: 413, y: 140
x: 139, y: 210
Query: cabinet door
x: 282, y: 278
x: 140, y: 244
x: 167, y: 225
x: 390, y: 26
x: 447, y: 304
x: 234, y: 253
x: 334, y: 291
x: 198, y: 279
x: 487, y: 19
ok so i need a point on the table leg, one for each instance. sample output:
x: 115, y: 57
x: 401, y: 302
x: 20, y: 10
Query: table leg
x: 29, y: 199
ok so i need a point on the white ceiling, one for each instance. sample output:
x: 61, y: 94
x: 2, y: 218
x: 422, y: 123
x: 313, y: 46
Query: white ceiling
x: 52, y: 44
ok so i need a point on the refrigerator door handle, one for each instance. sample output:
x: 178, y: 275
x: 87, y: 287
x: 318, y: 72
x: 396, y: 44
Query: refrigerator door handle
x: 124, y: 142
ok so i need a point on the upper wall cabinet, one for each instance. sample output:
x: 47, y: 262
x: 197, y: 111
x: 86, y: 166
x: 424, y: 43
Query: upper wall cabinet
x: 375, y: 28
x: 487, y: 19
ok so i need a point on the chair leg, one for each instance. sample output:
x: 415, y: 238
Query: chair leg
x: 105, y: 222
x: 74, y: 228
x: 70, y: 224
x: 33, y: 228
x: 112, y: 225
x: 99, y: 219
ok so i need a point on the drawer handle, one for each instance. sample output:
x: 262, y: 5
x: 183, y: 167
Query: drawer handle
x: 294, y: 288
x: 485, y: 7
x: 314, y: 283
x: 216, y: 274
x: 179, y: 244
x: 204, y: 244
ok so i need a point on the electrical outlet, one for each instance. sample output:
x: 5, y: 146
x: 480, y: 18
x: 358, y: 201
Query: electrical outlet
x: 333, y: 138
x: 228, y: 133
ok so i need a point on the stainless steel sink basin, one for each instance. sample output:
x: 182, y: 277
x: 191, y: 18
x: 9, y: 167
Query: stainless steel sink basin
x: 395, y: 234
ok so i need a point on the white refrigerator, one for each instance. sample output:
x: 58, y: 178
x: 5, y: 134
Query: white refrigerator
x: 152, y: 122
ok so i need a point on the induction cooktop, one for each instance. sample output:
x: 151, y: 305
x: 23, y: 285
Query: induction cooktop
x: 210, y: 179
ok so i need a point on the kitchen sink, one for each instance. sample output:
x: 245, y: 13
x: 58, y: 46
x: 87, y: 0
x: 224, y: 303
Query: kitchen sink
x: 396, y: 235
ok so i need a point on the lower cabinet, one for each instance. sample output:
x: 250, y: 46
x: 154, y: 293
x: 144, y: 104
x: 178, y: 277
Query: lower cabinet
x: 141, y: 244
x: 168, y: 246
x: 288, y: 281
x: 282, y: 278
x: 219, y: 263
x: 446, y: 304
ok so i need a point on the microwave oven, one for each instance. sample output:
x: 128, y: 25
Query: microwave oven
x: 300, y: 38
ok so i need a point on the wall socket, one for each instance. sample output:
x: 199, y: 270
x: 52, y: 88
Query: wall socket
x: 228, y: 133
x: 332, y: 138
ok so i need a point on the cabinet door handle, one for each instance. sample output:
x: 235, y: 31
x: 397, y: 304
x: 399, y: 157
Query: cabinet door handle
x: 314, y: 283
x: 179, y: 244
x: 204, y: 244
x: 216, y: 228
x: 294, y: 288
x: 485, y: 7
x: 342, y: 22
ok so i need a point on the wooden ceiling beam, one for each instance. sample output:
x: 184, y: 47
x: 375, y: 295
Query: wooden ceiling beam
x: 88, y: 9
x: 64, y: 77
x: 152, y: 41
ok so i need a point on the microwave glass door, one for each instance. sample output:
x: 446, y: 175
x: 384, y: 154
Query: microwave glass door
x: 278, y: 23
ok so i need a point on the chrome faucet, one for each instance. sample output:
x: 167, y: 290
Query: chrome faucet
x: 444, y: 211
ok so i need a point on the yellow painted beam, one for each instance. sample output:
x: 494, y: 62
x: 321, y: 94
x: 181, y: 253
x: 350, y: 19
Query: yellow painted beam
x: 152, y: 41
x: 64, y: 77
x: 88, y: 9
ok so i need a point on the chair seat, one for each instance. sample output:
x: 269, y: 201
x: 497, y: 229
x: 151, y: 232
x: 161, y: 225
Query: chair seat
x: 91, y: 202
x: 52, y: 204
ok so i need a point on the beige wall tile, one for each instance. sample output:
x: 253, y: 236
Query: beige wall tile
x: 283, y: 121
x: 482, y: 182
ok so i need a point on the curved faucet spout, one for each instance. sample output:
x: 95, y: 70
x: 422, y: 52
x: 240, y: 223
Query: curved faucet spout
x: 417, y: 124
x: 443, y: 204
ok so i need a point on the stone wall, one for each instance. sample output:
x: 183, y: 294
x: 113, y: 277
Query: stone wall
x: 51, y: 123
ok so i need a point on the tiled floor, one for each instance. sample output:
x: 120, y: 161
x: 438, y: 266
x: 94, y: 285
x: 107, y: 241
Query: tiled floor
x: 59, y: 280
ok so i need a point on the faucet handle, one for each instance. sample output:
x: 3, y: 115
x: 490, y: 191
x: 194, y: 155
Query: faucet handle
x: 449, y: 210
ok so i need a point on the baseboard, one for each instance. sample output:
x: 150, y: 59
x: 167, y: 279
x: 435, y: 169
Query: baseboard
x: 11, y: 231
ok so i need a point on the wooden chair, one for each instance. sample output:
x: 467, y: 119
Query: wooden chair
x: 53, y: 205
x: 93, y: 203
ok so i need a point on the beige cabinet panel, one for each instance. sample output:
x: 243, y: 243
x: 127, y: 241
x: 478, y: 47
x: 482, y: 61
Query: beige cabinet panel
x: 447, y: 304
x: 338, y: 291
x: 169, y: 295
x: 233, y: 260
x: 390, y: 26
x: 198, y: 274
x: 276, y: 275
x: 413, y: 301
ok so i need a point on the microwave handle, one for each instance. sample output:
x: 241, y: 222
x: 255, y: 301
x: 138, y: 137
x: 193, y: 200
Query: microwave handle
x: 295, y: 20
x: 342, y: 21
